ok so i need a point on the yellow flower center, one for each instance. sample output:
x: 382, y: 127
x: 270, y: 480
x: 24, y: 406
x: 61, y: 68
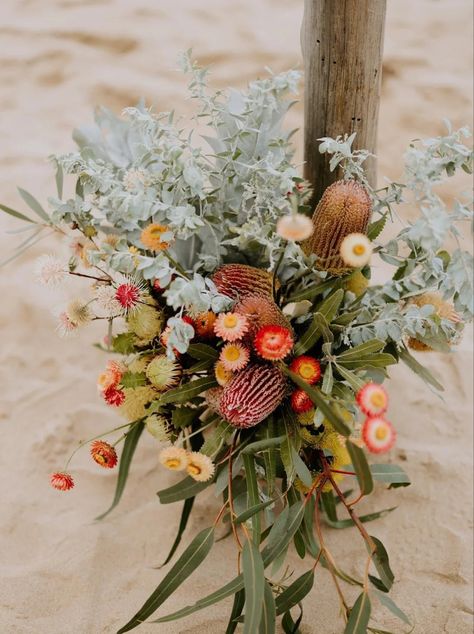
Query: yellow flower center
x: 230, y: 321
x: 358, y: 249
x: 306, y: 370
x: 173, y: 463
x: 232, y: 353
x: 194, y: 469
x: 100, y: 458
x: 377, y: 399
x: 381, y: 432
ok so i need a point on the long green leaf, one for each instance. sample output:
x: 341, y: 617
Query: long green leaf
x: 419, y: 369
x: 369, y: 517
x: 16, y: 214
x: 289, y: 626
x: 254, y: 580
x: 390, y: 604
x: 192, y: 557
x: 301, y: 469
x: 183, y: 522
x: 186, y: 392
x: 252, y: 510
x: 202, y: 352
x: 382, y: 563
x: 34, y: 205
x: 184, y: 416
x: 295, y: 593
x: 318, y: 399
x: 360, y: 615
x: 354, y: 381
x: 183, y: 490
x: 310, y: 292
x: 237, y: 607
x: 329, y: 307
x: 252, y: 495
x: 267, y: 623
x: 329, y: 505
x: 59, y: 180
x: 390, y: 474
x: 262, y: 445
x: 129, y: 446
x: 363, y: 349
x: 376, y: 360
x: 361, y: 467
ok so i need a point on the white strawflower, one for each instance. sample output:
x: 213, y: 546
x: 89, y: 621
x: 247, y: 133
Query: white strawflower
x: 200, y: 467
x: 49, y: 270
x: 106, y: 301
x: 295, y: 227
x: 79, y: 312
x: 174, y: 458
x: 356, y: 250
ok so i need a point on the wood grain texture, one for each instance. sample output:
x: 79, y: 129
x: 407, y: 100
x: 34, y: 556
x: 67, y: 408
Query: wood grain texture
x: 342, y: 43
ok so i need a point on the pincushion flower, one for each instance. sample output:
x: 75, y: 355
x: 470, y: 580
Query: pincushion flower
x: 356, y: 250
x: 234, y: 356
x: 156, y: 237
x: 231, y: 326
x: 146, y: 322
x: 62, y: 481
x: 104, y: 454
x: 174, y: 458
x: 378, y: 434
x: 295, y: 227
x: 129, y: 294
x: 273, y: 342
x: 307, y: 368
x: 200, y: 467
x: 222, y: 374
x: 106, y: 301
x: 300, y: 402
x: 372, y: 399
x: 163, y: 373
x: 159, y: 427
x: 65, y: 326
x: 79, y: 312
x: 49, y: 270
x: 135, y: 401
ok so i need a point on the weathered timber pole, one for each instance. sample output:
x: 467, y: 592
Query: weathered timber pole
x: 342, y: 42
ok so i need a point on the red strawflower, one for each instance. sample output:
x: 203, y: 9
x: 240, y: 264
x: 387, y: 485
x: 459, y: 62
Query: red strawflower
x: 378, y: 434
x: 61, y: 481
x: 307, y: 368
x: 104, y: 454
x: 114, y: 396
x: 273, y: 342
x: 128, y: 295
x: 300, y: 402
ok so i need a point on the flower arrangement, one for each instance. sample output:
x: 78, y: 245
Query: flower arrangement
x: 247, y: 335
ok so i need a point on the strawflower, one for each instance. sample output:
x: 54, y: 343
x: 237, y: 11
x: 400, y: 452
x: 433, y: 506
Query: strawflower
x: 356, y: 250
x: 372, y: 399
x: 200, y: 467
x: 62, y: 481
x: 295, y: 227
x: 223, y: 376
x: 300, y: 402
x: 114, y: 396
x: 152, y: 237
x: 273, y: 342
x: 378, y: 434
x: 307, y: 368
x: 231, y: 326
x: 234, y: 356
x: 174, y: 458
x: 104, y: 454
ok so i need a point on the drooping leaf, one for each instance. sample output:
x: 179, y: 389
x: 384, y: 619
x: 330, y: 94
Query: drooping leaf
x: 267, y: 623
x: 278, y: 541
x: 369, y: 517
x: 294, y: 593
x: 354, y: 381
x: 390, y: 474
x: 216, y: 438
x: 381, y: 562
x: 252, y: 495
x: 329, y: 306
x: 16, y: 214
x: 34, y: 205
x: 307, y: 529
x: 270, y: 456
x: 243, y: 517
x: 183, y: 490
x: 237, y: 607
x: 419, y: 369
x: 289, y: 626
x: 390, y: 604
x: 59, y: 177
x: 183, y: 522
x: 359, y: 616
x: 254, y: 580
x: 363, y: 349
x: 328, y: 502
x: 187, y: 391
x: 291, y: 441
x: 192, y: 557
x: 361, y: 467
x: 129, y: 446
x: 301, y: 469
x: 202, y: 352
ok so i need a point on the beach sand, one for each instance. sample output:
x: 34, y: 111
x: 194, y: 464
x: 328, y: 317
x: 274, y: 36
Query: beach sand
x: 63, y: 573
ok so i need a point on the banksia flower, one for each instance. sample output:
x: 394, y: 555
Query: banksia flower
x: 163, y: 373
x: 234, y: 356
x: 307, y: 368
x: 239, y: 280
x: 273, y: 342
x: 174, y: 458
x: 156, y: 237
x: 252, y: 395
x: 200, y: 467
x: 62, y: 481
x: 261, y: 311
x: 356, y: 250
x: 372, y: 399
x: 213, y: 398
x: 295, y: 227
x: 203, y: 324
x: 378, y: 434
x: 231, y: 326
x: 104, y: 454
x: 344, y: 208
x: 300, y: 402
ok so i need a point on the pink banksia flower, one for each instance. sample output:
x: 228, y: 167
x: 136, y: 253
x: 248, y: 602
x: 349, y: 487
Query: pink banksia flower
x: 234, y: 356
x: 273, y: 342
x: 378, y: 434
x: 104, y: 454
x: 239, y: 280
x: 62, y: 481
x: 372, y: 399
x: 261, y: 311
x: 231, y: 326
x: 252, y: 395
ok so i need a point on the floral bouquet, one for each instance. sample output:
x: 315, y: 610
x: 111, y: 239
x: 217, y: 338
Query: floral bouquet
x: 247, y: 335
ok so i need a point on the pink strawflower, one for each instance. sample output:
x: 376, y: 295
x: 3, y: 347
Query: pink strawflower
x: 61, y: 481
x: 231, y: 326
x: 273, y: 342
x: 378, y: 434
x: 372, y: 399
x: 234, y: 356
x: 114, y: 396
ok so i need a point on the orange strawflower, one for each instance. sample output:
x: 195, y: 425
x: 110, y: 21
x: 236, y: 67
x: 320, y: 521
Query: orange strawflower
x: 273, y: 342
x: 204, y: 324
x: 306, y: 367
x: 104, y: 454
x: 300, y: 402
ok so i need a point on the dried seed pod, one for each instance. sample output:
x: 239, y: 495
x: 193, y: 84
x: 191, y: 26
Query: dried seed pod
x: 252, y: 395
x: 344, y: 208
x: 239, y: 280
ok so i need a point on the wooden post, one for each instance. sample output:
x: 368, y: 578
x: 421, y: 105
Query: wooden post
x: 342, y: 42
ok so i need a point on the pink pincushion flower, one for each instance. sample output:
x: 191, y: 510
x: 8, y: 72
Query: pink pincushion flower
x: 128, y: 296
x: 378, y: 434
x: 61, y: 481
x: 372, y: 399
x: 231, y: 326
x: 234, y: 356
x: 114, y: 396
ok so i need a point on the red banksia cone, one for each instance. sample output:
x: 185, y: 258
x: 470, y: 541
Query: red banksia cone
x: 344, y: 208
x: 241, y: 280
x: 104, y: 454
x: 252, y: 395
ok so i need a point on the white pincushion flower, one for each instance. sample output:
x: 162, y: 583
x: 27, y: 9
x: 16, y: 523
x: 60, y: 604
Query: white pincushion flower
x: 356, y: 250
x: 65, y: 326
x: 49, y: 270
x: 106, y: 300
x: 295, y: 227
x: 79, y: 312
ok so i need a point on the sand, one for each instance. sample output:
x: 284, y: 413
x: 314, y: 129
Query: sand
x: 62, y: 573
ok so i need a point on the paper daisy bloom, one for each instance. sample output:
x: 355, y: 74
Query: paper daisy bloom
x: 200, y: 467
x: 104, y: 454
x: 49, y: 270
x: 156, y: 237
x: 174, y: 458
x: 231, y: 326
x: 378, y: 434
x: 307, y: 368
x: 372, y: 399
x: 234, y: 356
x: 300, y: 402
x: 273, y: 342
x: 223, y: 376
x: 61, y: 481
x: 356, y: 250
x: 112, y: 375
x: 163, y: 373
x: 114, y: 396
x: 295, y: 227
